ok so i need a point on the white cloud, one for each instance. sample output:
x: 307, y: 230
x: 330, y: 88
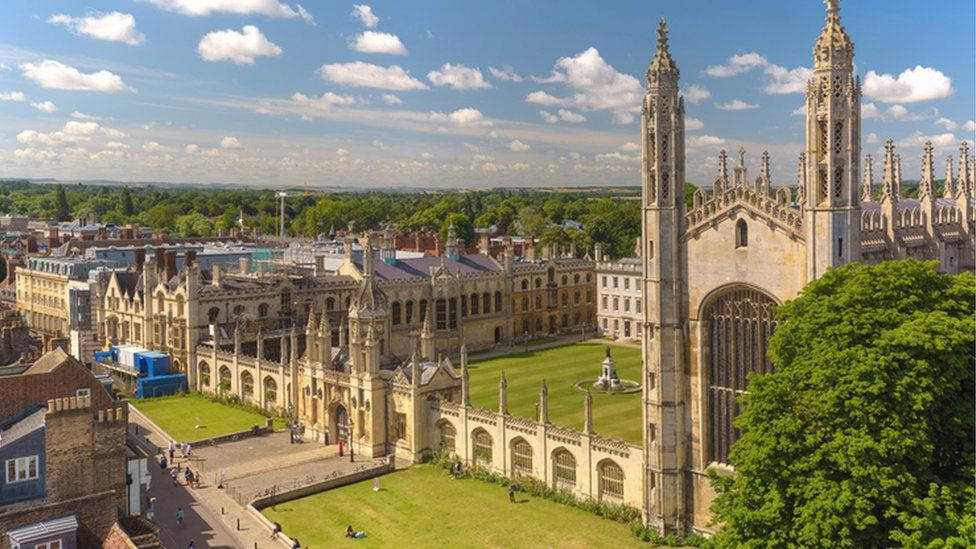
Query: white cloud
x: 31, y: 154
x: 918, y: 84
x: 802, y: 111
x: 342, y: 152
x: 594, y: 84
x: 549, y: 117
x: 366, y: 75
x: 458, y: 77
x: 58, y: 76
x: 506, y: 73
x: 736, y: 105
x: 570, y: 116
x: 970, y: 126
x: 305, y: 15
x: 918, y: 139
x: 325, y: 101
x: 780, y: 79
x: 391, y: 99
x: 191, y: 148
x: 467, y: 117
x: 75, y: 128
x: 946, y: 124
x: 705, y: 141
x: 692, y: 124
x: 737, y: 64
x: 230, y: 142
x: 71, y: 132
x: 271, y: 8
x: 116, y: 145
x: 365, y: 15
x: 694, y: 94
x: 900, y: 113
x: 83, y: 116
x: 154, y: 147
x: 31, y: 137
x: 426, y: 155
x: 45, y: 106
x: 518, y: 146
x: 114, y: 26
x: 12, y: 96
x: 378, y: 42
x: 868, y: 111
x: 238, y: 47
x: 873, y: 138
x: 380, y: 145
x: 630, y: 146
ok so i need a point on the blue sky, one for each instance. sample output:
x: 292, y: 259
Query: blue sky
x: 448, y: 93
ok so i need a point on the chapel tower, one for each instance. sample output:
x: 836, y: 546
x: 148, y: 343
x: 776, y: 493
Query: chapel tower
x: 663, y: 176
x: 832, y: 211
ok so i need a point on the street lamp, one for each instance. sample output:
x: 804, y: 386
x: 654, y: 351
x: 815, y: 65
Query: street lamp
x: 349, y: 436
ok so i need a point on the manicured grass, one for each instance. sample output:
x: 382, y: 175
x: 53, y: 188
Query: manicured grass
x: 178, y: 415
x: 424, y: 507
x: 613, y: 415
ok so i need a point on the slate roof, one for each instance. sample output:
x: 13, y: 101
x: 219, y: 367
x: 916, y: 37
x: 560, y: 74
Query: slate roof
x: 422, y: 267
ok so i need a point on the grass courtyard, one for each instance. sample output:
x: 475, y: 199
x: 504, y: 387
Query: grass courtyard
x: 179, y: 415
x: 424, y: 507
x: 613, y: 415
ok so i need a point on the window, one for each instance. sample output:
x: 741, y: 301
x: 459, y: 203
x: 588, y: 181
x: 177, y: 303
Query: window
x: 525, y: 304
x: 576, y: 298
x: 565, y: 299
x: 565, y: 470
x: 452, y: 313
x: 482, y: 448
x: 53, y: 544
x: 741, y: 234
x: 603, y: 281
x: 498, y: 302
x: 409, y: 311
x: 486, y: 303
x: 474, y: 304
x: 247, y: 384
x: 576, y: 278
x: 521, y: 456
x: 401, y: 427
x: 263, y: 310
x: 204, y: 374
x: 565, y: 280
x: 239, y: 310
x: 21, y: 469
x: 627, y: 328
x: 538, y: 283
x: 616, y: 282
x: 604, y: 304
x: 447, y: 436
x: 525, y: 284
x: 626, y: 283
x: 423, y: 310
x: 80, y: 393
x: 440, y: 311
x: 589, y: 296
x: 616, y: 303
x: 395, y: 312
x: 270, y: 390
x: 611, y: 481
x: 627, y: 305
x: 538, y: 302
x: 212, y: 315
x: 638, y: 308
x: 464, y: 305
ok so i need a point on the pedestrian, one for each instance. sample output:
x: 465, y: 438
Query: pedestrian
x: 151, y: 509
x: 172, y: 449
x: 275, y: 531
x: 295, y: 544
x: 188, y: 476
x: 191, y: 546
x: 179, y: 516
x: 175, y: 475
x: 220, y: 480
x: 196, y: 478
x: 162, y: 463
x: 188, y: 450
x: 511, y: 493
x: 183, y: 448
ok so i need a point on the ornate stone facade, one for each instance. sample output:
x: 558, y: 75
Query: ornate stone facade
x: 712, y: 275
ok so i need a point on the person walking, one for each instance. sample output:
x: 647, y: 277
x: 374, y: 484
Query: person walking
x: 275, y: 531
x: 179, y: 517
x: 188, y: 476
x: 175, y: 475
x: 511, y: 493
x: 172, y: 449
x: 191, y: 546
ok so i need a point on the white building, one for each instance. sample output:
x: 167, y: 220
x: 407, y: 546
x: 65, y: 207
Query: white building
x: 618, y: 290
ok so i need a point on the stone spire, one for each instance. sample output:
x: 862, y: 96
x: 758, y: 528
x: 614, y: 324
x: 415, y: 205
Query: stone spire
x: 801, y: 180
x: 544, y: 403
x: 898, y: 178
x: 964, y: 182
x: 868, y: 183
x: 764, y: 181
x: 588, y: 413
x: 503, y: 395
x: 949, y: 191
x: 465, y: 389
x: 415, y: 371
x: 740, y: 172
x: 722, y: 181
x: 427, y: 338
x: 451, y: 248
x: 662, y: 70
x: 925, y: 191
x: 889, y: 181
x: 833, y: 48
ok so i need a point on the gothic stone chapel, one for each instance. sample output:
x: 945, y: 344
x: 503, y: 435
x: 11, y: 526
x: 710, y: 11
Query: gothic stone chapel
x: 713, y: 274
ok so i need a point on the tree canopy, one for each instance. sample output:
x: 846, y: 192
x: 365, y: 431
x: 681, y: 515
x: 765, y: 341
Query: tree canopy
x: 864, y: 436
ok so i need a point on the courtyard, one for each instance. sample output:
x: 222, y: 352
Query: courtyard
x: 423, y: 506
x: 617, y: 416
x: 194, y: 417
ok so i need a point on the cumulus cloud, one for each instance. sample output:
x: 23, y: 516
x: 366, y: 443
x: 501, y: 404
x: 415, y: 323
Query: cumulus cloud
x: 562, y: 114
x: 71, y: 132
x: 12, y: 96
x: 58, y: 76
x: 270, y: 8
x: 365, y: 15
x: 901, y: 114
x: 918, y: 139
x: 630, y: 146
x: 380, y: 145
x: 45, y: 106
x: 619, y: 157
x: 378, y: 42
x: 506, y: 73
x: 367, y: 75
x: 694, y: 94
x: 325, y: 101
x: 549, y: 117
x: 946, y: 124
x: 868, y: 111
x: 692, y: 124
x: 736, y: 105
x: 426, y: 155
x: 230, y: 142
x: 83, y: 116
x: 32, y: 137
x: 970, y: 126
x: 704, y: 141
x: 238, y: 47
x: 780, y: 79
x: 467, y: 117
x: 594, y: 85
x: 114, y: 26
x: 391, y: 99
x: 873, y: 138
x: 342, y: 152
x: 116, y: 145
x: 518, y: 146
x: 458, y: 77
x: 191, y: 148
x: 918, y: 84
x: 32, y: 154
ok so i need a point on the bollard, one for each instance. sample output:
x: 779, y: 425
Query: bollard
x: 238, y: 525
x: 221, y: 510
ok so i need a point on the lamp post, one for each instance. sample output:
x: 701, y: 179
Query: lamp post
x: 349, y: 436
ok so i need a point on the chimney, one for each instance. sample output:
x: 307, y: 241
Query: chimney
x: 215, y: 274
x: 189, y: 258
x: 484, y: 243
x: 102, y: 233
x: 140, y: 258
x: 528, y: 249
x: 319, y: 265
x: 159, y: 254
x: 52, y: 238
x: 170, y: 265
x: 598, y: 251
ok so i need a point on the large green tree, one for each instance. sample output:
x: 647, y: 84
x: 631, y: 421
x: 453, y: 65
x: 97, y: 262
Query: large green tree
x: 63, y: 211
x: 864, y: 435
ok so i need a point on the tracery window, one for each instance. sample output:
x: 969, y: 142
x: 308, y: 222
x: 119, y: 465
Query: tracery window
x: 521, y: 457
x: 409, y: 312
x: 564, y: 472
x: 611, y: 481
x: 738, y: 323
x: 447, y: 435
x: 482, y: 448
x: 440, y: 312
x: 247, y: 384
x: 486, y: 303
x: 395, y: 313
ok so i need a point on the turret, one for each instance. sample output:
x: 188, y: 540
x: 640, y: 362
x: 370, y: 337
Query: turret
x: 503, y: 395
x: 427, y: 338
x: 465, y: 389
x: 722, y: 180
x: 949, y: 191
x: 588, y: 413
x: 451, y: 250
x: 868, y: 183
x: 764, y: 181
x: 543, y: 403
x: 741, y: 173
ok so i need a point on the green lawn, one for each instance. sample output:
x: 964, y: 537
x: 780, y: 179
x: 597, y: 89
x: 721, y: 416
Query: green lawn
x: 423, y: 507
x: 613, y: 415
x: 178, y: 416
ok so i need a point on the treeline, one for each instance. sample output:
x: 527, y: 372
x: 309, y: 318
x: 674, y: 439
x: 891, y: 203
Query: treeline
x: 612, y: 218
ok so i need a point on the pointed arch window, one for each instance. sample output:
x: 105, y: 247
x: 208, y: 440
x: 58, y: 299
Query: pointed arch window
x: 741, y: 234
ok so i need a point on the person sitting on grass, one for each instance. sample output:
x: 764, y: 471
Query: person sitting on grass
x: 350, y: 533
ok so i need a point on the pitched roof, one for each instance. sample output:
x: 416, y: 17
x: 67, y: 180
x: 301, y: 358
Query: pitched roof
x: 422, y: 267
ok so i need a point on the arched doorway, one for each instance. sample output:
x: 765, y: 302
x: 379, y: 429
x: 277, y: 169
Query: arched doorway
x: 340, y: 423
x: 736, y: 323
